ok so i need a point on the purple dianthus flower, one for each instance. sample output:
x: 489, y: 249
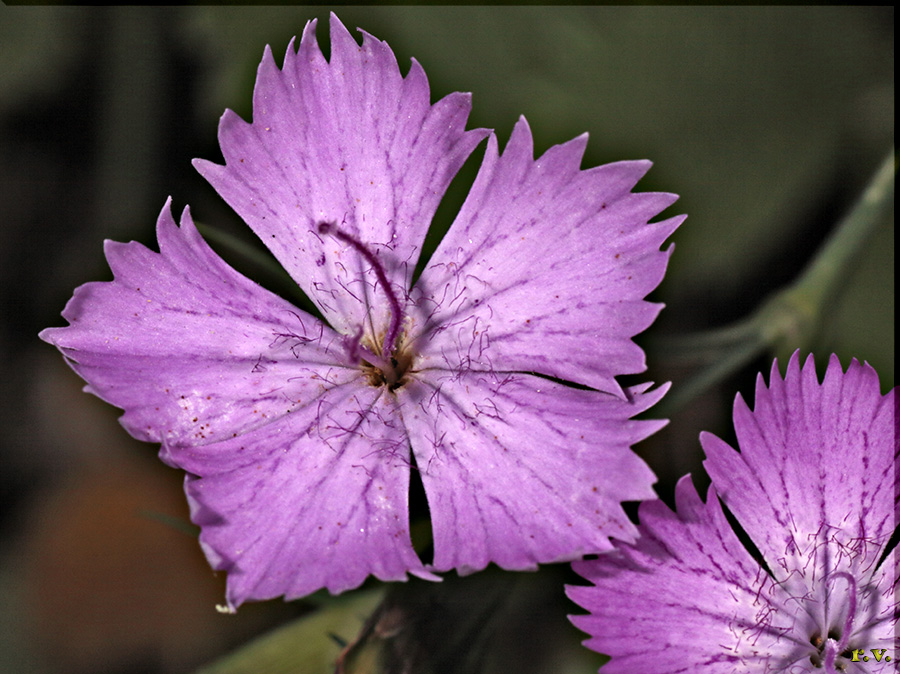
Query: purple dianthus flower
x: 297, y: 434
x: 814, y: 488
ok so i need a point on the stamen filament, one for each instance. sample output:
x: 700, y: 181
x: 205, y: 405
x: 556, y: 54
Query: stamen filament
x: 396, y: 311
x: 851, y: 611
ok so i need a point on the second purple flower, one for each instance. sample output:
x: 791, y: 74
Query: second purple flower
x: 298, y: 435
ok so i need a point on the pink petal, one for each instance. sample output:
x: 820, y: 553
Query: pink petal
x: 879, y: 626
x: 317, y: 499
x: 816, y: 466
x: 686, y: 597
x: 546, y: 267
x: 351, y: 142
x: 520, y: 470
x: 190, y: 349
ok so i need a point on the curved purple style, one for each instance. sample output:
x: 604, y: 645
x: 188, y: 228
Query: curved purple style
x: 814, y: 487
x: 298, y: 435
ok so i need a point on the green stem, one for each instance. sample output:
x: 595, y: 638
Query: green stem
x: 791, y: 318
x: 822, y: 280
x: 854, y: 231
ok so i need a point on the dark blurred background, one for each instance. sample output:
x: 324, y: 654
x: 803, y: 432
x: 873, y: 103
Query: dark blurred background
x: 767, y: 121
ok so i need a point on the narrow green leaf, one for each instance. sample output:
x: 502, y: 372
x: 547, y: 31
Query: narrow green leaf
x: 308, y: 645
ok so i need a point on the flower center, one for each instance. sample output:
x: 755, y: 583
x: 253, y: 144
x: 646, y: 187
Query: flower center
x: 385, y: 366
x: 390, y: 373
